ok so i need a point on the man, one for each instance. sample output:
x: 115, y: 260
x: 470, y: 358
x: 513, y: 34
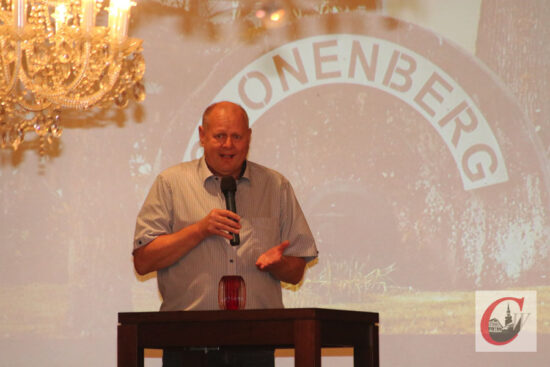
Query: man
x: 183, y: 230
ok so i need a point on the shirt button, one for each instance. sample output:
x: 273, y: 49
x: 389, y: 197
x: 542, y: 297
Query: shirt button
x: 231, y: 261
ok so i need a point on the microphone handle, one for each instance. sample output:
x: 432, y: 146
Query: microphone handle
x: 230, y: 205
x: 236, y: 240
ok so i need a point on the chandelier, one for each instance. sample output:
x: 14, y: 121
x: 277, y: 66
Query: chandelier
x: 53, y: 57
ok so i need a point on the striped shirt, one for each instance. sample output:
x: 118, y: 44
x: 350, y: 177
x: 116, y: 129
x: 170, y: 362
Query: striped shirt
x: 270, y: 214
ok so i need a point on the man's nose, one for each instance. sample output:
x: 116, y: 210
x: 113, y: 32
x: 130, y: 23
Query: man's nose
x: 228, y: 142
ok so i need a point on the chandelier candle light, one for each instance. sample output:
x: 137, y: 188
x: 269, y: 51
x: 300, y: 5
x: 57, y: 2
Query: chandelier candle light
x: 53, y: 56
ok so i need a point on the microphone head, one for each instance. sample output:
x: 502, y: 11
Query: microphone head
x: 228, y: 184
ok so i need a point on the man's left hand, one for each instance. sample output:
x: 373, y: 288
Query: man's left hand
x: 272, y: 257
x: 289, y: 269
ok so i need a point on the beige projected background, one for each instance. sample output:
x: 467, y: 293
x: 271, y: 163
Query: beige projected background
x: 416, y: 136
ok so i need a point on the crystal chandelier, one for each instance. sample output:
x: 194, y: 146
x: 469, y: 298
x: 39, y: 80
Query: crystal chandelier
x: 53, y: 56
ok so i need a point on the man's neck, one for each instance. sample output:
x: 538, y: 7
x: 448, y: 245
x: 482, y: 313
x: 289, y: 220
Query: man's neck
x: 241, y: 173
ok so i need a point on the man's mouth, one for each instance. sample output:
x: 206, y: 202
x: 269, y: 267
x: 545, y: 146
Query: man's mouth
x: 227, y: 156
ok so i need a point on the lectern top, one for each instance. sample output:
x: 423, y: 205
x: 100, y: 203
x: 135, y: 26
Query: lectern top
x: 258, y: 314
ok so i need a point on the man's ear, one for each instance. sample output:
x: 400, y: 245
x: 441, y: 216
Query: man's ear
x: 201, y: 135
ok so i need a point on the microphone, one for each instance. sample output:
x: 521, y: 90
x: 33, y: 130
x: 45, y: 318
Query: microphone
x: 229, y: 187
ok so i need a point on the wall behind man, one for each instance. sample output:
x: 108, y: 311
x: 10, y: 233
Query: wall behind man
x: 376, y: 174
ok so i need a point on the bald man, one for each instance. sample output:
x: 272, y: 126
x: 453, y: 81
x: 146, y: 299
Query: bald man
x: 183, y: 230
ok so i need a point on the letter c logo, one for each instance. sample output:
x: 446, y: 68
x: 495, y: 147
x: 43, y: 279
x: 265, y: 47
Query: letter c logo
x: 487, y: 317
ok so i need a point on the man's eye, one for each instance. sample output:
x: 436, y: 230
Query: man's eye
x: 237, y: 137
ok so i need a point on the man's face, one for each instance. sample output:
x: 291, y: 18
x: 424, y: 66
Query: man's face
x: 225, y: 139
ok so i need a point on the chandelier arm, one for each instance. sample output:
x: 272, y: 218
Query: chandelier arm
x: 17, y: 67
x: 83, y: 68
x: 87, y: 102
x: 33, y: 107
x: 5, y: 72
x: 28, y: 83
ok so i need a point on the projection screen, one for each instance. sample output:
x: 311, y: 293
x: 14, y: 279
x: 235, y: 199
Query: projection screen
x: 415, y: 136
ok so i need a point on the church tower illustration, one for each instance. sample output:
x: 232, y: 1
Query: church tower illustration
x: 508, y: 324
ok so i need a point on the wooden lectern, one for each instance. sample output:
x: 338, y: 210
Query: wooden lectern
x: 307, y: 330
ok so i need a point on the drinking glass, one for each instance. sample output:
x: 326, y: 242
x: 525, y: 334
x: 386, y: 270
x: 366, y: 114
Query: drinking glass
x: 231, y: 292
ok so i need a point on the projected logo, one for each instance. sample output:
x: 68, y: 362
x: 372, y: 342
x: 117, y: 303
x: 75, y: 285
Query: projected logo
x: 506, y: 321
x: 385, y: 66
x: 387, y: 120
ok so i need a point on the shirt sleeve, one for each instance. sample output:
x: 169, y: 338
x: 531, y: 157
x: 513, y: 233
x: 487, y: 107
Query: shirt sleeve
x: 294, y: 226
x: 155, y: 217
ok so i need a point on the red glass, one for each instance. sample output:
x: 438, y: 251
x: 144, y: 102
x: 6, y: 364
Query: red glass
x: 231, y: 293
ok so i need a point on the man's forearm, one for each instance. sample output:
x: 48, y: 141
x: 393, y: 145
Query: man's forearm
x: 289, y: 270
x: 165, y: 250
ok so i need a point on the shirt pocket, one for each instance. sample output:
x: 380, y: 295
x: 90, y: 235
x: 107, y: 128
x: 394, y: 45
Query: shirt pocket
x: 260, y: 234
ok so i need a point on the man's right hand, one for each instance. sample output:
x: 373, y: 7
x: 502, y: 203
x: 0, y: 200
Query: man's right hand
x: 166, y: 249
x: 220, y: 222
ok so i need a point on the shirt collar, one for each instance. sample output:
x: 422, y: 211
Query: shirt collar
x: 246, y: 173
x: 205, y: 173
x: 203, y: 170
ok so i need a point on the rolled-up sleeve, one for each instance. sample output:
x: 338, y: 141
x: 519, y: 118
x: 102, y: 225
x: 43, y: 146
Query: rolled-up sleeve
x: 155, y: 217
x: 294, y: 226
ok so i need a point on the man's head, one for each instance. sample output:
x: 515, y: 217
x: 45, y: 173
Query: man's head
x: 225, y: 137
